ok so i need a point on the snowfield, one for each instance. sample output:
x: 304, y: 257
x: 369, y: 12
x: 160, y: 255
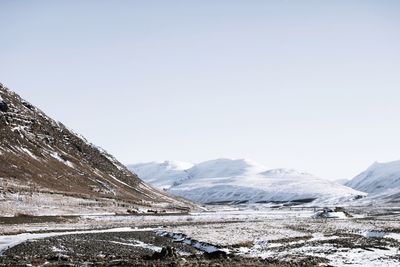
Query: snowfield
x: 238, y: 181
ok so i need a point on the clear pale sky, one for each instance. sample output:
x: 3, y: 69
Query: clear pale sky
x: 311, y: 85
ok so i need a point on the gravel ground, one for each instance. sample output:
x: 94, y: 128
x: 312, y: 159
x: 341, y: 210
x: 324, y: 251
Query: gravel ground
x: 281, y: 237
x: 124, y: 249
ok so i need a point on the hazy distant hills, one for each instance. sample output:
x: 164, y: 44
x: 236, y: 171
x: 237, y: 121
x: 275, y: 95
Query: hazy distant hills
x: 40, y: 154
x: 240, y: 181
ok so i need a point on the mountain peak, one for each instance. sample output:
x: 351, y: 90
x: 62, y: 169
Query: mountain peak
x: 177, y: 165
x: 225, y: 167
x: 379, y: 178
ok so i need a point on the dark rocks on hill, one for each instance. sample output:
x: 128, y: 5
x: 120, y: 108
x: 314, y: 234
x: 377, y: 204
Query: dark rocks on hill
x: 28, y: 105
x: 166, y: 252
x: 3, y: 106
x: 219, y: 254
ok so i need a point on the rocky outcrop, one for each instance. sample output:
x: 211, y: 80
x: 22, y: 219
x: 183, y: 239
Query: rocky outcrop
x: 3, y: 106
x: 165, y: 253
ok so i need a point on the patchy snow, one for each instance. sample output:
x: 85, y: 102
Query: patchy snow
x: 395, y: 236
x: 285, y: 234
x: 8, y: 241
x: 56, y: 249
x: 108, y: 187
x: 19, y: 128
x: 119, y: 181
x: 138, y: 243
x: 27, y: 151
x: 113, y: 160
x: 356, y: 257
x: 327, y: 213
x: 202, y: 246
x: 259, y: 231
x: 374, y: 234
x: 56, y: 156
x: 38, y: 204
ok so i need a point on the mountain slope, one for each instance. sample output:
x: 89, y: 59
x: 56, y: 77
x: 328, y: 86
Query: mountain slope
x: 42, y: 155
x: 381, y: 180
x: 236, y: 181
x: 162, y: 175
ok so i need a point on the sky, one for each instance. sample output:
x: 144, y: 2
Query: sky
x: 310, y: 85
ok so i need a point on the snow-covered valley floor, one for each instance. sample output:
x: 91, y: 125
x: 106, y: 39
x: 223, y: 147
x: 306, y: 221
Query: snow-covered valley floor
x: 281, y: 235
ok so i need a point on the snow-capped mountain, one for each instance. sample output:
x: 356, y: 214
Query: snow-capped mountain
x: 162, y: 175
x: 342, y: 181
x: 241, y: 180
x: 225, y: 168
x: 39, y: 154
x: 381, y: 180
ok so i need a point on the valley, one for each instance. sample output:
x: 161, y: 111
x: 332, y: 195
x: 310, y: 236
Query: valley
x: 66, y: 202
x: 200, y: 133
x: 240, y: 235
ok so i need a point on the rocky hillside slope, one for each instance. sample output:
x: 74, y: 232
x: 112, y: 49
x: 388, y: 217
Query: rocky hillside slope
x: 42, y: 155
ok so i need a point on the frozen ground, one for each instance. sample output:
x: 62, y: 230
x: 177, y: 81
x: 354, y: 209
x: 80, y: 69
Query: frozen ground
x: 52, y: 204
x: 370, y: 238
x: 8, y: 241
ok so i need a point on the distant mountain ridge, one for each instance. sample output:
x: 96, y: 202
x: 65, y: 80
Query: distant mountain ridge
x: 380, y: 180
x: 239, y: 181
x: 163, y: 175
x: 42, y: 155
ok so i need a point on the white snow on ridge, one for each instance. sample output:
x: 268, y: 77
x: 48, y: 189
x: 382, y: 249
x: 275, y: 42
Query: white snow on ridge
x: 225, y: 168
x: 240, y: 180
x: 378, y: 177
x: 162, y: 175
x: 380, y: 180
